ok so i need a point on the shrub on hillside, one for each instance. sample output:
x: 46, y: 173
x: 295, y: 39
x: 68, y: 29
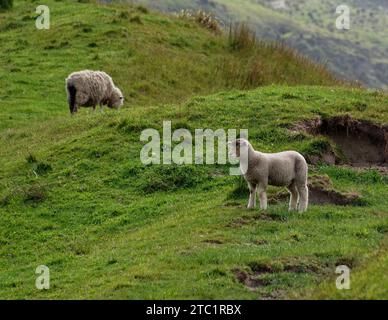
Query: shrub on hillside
x: 6, y: 4
x: 156, y: 178
x: 38, y: 167
x: 240, y: 190
x: 142, y: 9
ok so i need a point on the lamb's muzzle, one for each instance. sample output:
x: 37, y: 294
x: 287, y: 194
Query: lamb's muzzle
x: 288, y: 169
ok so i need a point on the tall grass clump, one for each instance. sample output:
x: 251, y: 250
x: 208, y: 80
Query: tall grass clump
x: 203, y: 18
x: 241, y: 37
x: 6, y: 4
x: 259, y: 63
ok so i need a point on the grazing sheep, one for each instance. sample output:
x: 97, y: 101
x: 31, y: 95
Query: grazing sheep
x: 90, y: 88
x: 288, y: 168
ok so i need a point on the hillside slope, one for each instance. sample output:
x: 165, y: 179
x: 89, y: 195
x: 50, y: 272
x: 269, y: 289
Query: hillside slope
x: 152, y: 57
x: 75, y: 197
x: 309, y: 26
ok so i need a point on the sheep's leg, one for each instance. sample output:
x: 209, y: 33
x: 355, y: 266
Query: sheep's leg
x: 252, y: 196
x: 304, y: 198
x: 101, y: 108
x: 294, y: 197
x: 74, y: 109
x: 72, y: 92
x: 263, y: 197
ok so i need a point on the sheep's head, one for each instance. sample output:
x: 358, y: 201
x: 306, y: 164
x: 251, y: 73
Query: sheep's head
x: 116, y: 99
x: 239, y: 146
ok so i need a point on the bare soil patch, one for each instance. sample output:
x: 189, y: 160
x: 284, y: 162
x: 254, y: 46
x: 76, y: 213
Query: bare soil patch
x: 213, y: 241
x: 362, y: 142
x: 250, y: 280
x: 257, y: 275
x: 321, y: 191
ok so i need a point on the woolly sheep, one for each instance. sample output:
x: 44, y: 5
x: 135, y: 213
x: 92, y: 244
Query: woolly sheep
x: 90, y: 88
x: 288, y: 168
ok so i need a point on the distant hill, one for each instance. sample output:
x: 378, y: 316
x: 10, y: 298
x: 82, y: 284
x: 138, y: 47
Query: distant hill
x: 360, y: 53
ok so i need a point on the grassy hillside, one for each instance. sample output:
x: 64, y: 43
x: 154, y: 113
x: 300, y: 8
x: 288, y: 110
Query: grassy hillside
x: 368, y: 283
x: 75, y: 197
x: 153, y: 58
x: 309, y: 26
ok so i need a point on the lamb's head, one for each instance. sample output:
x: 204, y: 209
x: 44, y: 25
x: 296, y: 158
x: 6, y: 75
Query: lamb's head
x: 116, y: 99
x: 239, y: 146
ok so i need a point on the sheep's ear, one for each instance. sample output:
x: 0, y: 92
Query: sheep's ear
x: 243, y: 142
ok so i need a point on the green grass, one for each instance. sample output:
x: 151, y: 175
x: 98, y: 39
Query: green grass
x: 368, y: 283
x: 83, y: 204
x: 154, y: 59
x: 74, y: 195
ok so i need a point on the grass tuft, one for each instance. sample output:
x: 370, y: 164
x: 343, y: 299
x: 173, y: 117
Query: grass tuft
x: 34, y: 194
x: 203, y: 18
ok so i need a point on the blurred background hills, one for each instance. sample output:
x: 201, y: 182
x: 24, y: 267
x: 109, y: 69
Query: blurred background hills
x: 360, y: 53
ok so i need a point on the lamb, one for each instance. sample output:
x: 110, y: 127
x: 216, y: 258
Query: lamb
x: 288, y: 168
x: 90, y: 88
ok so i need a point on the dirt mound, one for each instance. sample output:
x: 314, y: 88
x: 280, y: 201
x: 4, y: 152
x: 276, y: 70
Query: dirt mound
x: 321, y: 191
x: 250, y: 280
x: 362, y: 142
x: 258, y: 274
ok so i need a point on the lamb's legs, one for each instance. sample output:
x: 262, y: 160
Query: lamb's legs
x: 304, y: 198
x: 263, y: 197
x: 294, y: 197
x: 252, y: 196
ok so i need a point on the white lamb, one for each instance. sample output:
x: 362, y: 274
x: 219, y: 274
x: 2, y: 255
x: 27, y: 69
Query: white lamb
x: 288, y: 168
x: 90, y: 88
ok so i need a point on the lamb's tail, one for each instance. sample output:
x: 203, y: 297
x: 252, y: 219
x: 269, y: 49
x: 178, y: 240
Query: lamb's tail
x: 72, y: 91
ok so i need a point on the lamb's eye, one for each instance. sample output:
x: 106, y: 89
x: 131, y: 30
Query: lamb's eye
x: 121, y: 98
